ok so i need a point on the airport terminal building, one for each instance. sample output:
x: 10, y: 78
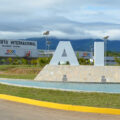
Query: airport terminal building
x: 18, y: 48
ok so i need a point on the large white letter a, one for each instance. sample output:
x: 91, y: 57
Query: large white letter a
x: 64, y: 53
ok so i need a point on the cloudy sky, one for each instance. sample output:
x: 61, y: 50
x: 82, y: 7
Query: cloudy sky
x: 73, y: 19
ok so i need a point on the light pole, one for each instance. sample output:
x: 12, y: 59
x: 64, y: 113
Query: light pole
x: 47, y: 43
x: 46, y: 34
x: 105, y: 47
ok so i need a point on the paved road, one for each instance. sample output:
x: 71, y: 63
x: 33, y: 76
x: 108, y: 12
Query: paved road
x: 17, y: 111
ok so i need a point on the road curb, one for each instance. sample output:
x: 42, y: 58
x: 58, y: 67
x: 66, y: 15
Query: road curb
x: 60, y: 106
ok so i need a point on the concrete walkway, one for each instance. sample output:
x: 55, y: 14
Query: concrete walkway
x: 17, y: 111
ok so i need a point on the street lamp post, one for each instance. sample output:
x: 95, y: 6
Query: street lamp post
x: 46, y: 42
x: 105, y: 47
x: 46, y: 34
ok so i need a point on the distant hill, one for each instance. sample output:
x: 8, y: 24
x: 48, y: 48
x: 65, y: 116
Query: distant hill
x: 78, y: 45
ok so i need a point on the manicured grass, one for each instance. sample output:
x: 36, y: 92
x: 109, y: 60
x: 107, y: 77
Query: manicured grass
x: 74, y: 98
x: 18, y: 76
x: 9, y: 67
x: 19, y: 71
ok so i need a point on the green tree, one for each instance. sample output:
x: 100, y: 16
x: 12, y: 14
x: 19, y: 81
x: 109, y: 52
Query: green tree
x: 24, y: 61
x: 83, y: 61
x: 10, y: 60
x: 43, y: 61
x: 117, y: 60
x: 3, y: 61
x: 34, y: 62
x: 114, y: 54
x: 77, y: 54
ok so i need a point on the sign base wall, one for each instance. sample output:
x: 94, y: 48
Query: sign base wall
x: 80, y: 73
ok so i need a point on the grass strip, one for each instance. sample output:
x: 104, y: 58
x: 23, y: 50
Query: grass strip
x: 19, y: 71
x: 75, y: 98
x: 9, y: 67
x: 18, y: 76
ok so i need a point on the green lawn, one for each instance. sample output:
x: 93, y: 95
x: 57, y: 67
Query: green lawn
x: 18, y: 76
x: 9, y: 67
x: 19, y: 71
x: 75, y: 98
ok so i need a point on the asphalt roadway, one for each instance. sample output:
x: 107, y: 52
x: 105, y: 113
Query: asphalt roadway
x: 18, y: 111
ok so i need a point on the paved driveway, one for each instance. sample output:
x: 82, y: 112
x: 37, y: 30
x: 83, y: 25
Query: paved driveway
x: 17, y: 111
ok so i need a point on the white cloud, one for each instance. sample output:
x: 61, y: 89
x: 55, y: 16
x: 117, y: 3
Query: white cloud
x: 114, y: 34
x: 64, y: 18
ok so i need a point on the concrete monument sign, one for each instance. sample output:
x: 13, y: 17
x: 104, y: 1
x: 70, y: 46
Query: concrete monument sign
x: 75, y: 72
x: 64, y: 53
x: 99, y: 54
